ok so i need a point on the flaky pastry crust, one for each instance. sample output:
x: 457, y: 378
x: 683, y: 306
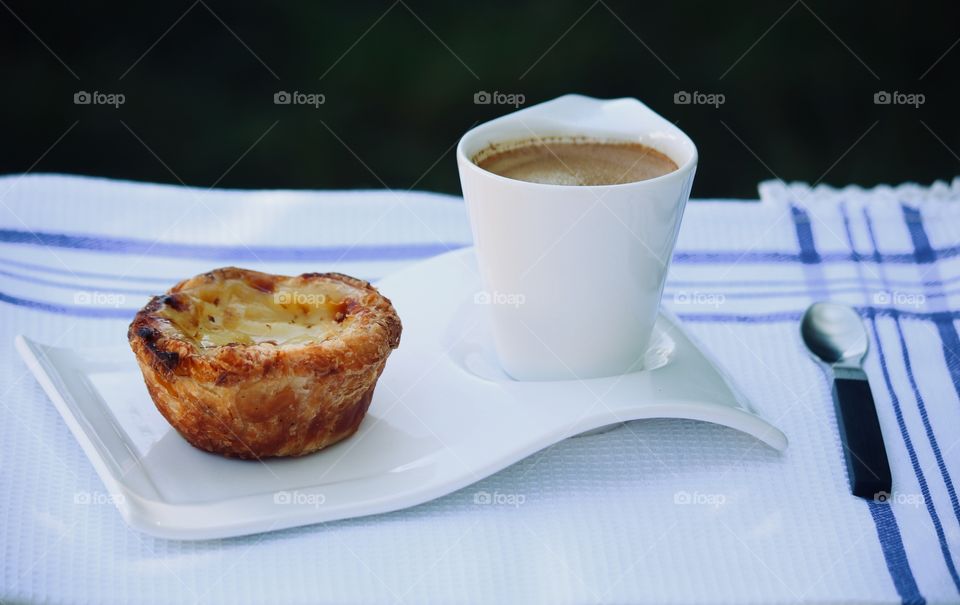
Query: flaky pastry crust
x: 252, y: 365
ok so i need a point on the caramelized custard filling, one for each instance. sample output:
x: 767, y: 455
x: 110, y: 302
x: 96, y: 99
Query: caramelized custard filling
x: 237, y: 312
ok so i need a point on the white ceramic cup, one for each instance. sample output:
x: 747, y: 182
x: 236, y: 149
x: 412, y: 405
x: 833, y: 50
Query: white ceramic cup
x: 573, y: 275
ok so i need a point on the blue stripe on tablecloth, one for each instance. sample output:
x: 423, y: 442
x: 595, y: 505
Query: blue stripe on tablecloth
x: 810, y: 257
x: 948, y: 337
x: 808, y: 249
x: 927, y: 427
x: 888, y: 531
x: 815, y: 291
x: 923, y: 252
x: 729, y: 283
x: 818, y: 287
x: 918, y: 471
x: 122, y: 245
x: 822, y: 282
x: 89, y: 288
x: 951, y: 345
x: 912, y: 454
x: 946, y: 328
x: 91, y: 274
x: 91, y: 312
x: 755, y: 257
x: 785, y: 316
x: 40, y: 281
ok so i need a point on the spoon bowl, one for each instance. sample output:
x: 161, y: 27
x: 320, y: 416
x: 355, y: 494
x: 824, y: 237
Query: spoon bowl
x: 834, y: 333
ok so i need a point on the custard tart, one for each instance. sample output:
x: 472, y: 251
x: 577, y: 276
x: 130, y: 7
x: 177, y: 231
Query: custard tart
x: 252, y: 365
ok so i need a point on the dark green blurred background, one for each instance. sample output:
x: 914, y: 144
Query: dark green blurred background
x: 399, y: 81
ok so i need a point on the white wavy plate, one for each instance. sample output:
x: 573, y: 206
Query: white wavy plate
x: 444, y: 416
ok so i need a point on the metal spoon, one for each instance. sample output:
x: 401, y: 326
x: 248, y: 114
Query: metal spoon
x: 835, y: 336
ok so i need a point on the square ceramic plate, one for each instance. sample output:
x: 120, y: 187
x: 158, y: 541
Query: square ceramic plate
x: 440, y: 399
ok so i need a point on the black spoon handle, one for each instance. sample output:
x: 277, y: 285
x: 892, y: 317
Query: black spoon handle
x: 867, y: 465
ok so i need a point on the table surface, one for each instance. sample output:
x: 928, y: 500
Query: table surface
x: 658, y: 510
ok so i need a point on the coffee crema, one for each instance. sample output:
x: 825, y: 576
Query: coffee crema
x: 574, y: 161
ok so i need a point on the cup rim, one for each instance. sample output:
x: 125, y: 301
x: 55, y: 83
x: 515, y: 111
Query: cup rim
x: 681, y: 172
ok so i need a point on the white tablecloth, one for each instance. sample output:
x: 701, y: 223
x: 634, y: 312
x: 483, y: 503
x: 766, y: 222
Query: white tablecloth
x: 655, y: 511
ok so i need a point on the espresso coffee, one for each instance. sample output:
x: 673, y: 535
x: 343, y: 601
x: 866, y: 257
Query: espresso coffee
x: 575, y: 161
